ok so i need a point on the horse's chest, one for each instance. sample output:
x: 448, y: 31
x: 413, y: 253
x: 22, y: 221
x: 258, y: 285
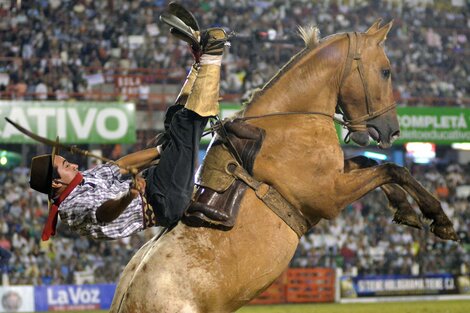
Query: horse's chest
x: 300, y: 161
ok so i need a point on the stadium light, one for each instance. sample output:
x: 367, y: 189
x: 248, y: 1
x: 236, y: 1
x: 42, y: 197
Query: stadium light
x: 461, y: 146
x: 9, y: 159
x: 421, y: 152
x: 375, y: 155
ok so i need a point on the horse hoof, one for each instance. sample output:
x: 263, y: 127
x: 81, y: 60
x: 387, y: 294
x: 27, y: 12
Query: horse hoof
x: 409, y: 218
x: 445, y: 232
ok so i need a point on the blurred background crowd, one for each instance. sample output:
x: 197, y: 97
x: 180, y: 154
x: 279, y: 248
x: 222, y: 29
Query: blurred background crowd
x: 364, y: 240
x: 67, y: 50
x: 361, y: 240
x: 63, y: 49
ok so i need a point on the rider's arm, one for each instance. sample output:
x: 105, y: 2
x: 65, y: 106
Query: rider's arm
x: 140, y: 159
x: 112, y: 208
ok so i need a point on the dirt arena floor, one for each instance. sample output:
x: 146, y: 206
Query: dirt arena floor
x: 388, y: 307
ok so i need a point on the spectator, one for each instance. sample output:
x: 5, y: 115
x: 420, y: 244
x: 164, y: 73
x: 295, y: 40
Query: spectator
x: 5, y: 256
x: 41, y: 91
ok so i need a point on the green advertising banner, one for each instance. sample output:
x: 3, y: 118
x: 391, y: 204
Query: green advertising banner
x: 111, y: 122
x: 74, y: 122
x: 439, y: 125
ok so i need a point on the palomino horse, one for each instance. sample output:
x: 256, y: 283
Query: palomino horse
x: 207, y: 270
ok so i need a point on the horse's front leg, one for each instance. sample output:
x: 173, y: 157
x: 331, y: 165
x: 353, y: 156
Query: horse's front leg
x: 397, y: 200
x: 355, y: 184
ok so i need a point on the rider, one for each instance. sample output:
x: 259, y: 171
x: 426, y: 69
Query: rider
x: 98, y: 203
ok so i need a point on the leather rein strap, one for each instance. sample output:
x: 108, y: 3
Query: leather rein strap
x: 354, y: 54
x: 273, y: 200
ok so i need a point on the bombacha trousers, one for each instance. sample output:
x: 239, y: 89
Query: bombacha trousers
x: 170, y: 184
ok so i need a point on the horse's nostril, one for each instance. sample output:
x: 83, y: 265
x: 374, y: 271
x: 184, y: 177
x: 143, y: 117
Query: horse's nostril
x: 395, y: 135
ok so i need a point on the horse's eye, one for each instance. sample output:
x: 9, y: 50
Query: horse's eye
x: 386, y: 73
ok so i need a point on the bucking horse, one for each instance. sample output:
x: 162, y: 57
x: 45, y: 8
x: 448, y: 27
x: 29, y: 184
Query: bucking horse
x: 272, y: 172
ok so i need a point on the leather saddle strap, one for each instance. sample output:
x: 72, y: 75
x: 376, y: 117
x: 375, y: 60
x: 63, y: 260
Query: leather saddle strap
x: 273, y: 199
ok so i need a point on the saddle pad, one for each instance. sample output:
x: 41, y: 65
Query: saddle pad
x: 217, y: 199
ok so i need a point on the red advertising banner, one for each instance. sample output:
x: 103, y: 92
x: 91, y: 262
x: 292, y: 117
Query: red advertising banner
x: 128, y: 85
x: 300, y: 285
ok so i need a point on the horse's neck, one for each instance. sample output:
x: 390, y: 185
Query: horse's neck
x: 310, y: 84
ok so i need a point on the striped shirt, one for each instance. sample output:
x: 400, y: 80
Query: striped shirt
x: 101, y: 183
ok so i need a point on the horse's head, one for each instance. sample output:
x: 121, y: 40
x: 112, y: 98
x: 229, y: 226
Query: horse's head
x: 366, y: 97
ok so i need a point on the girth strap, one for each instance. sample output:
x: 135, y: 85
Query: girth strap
x: 273, y: 200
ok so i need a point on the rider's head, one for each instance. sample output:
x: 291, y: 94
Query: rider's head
x: 51, y: 173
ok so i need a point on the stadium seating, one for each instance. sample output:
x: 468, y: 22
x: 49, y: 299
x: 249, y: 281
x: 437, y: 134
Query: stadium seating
x: 64, y: 50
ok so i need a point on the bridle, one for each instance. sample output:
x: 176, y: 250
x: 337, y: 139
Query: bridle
x: 357, y: 124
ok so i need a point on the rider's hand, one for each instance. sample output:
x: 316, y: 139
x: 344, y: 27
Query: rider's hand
x: 137, y: 187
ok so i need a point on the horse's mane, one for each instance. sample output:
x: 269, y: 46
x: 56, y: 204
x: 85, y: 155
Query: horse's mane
x: 311, y: 37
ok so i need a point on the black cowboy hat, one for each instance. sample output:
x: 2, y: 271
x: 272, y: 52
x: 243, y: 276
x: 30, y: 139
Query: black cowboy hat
x: 41, y: 172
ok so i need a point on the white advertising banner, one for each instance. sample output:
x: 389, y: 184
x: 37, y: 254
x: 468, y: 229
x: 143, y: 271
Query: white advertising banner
x: 16, y: 299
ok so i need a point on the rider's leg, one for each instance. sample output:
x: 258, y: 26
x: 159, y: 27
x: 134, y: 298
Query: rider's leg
x: 170, y: 184
x: 163, y: 138
x: 182, y: 97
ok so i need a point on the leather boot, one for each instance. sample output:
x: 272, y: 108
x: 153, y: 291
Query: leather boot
x: 204, y: 97
x: 213, y: 41
x: 162, y: 138
x: 182, y: 96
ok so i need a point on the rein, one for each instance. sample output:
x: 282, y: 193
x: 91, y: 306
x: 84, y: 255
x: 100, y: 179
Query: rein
x: 353, y: 125
x: 219, y: 124
x: 72, y: 149
x: 281, y: 114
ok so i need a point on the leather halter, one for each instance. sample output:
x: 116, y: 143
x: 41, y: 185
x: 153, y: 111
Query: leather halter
x: 356, y: 43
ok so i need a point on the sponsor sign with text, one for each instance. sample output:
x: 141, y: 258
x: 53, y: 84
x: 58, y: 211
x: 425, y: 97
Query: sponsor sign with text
x: 69, y: 297
x: 73, y: 122
x: 400, y: 285
x: 439, y: 125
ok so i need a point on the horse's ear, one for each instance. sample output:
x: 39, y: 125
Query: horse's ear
x: 375, y: 27
x: 380, y: 35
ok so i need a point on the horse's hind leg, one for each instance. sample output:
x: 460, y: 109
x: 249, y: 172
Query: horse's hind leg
x: 397, y: 201
x: 361, y: 181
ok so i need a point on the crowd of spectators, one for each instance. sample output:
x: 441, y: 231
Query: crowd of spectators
x: 66, y: 258
x: 362, y: 240
x: 60, y: 49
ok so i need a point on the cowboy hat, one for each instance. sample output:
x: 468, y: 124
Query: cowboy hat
x: 41, y: 171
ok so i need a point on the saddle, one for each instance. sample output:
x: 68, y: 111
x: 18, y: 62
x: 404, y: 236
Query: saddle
x: 218, y: 194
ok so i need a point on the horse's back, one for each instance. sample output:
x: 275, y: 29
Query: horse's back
x: 207, y: 270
